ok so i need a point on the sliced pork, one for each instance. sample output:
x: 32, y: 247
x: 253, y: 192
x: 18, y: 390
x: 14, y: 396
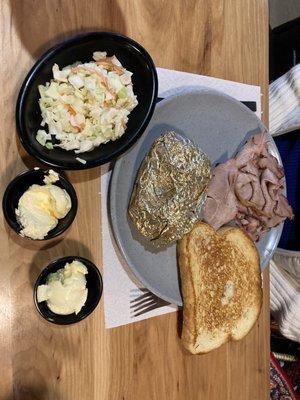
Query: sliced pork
x: 248, y: 189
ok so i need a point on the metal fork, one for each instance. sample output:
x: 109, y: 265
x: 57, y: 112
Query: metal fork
x: 143, y: 301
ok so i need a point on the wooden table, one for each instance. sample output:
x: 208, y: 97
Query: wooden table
x: 144, y: 361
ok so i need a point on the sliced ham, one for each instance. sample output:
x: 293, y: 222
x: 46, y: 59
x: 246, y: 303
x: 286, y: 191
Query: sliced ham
x: 274, y: 191
x: 268, y: 223
x: 258, y: 196
x: 267, y: 177
x: 246, y: 191
x: 221, y: 203
x: 252, y: 225
x: 243, y: 186
x: 270, y: 162
x: 283, y: 209
x: 250, y: 168
x: 254, y: 147
x: 219, y: 215
x: 249, y: 190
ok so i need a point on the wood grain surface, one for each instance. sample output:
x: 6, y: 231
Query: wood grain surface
x: 40, y: 361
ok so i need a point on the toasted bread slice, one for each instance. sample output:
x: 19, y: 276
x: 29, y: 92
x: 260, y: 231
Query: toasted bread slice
x: 221, y: 286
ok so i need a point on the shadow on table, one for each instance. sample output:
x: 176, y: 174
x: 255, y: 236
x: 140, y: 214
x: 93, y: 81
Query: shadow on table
x: 9, y: 397
x: 41, y: 24
x: 25, y: 392
x: 67, y: 247
x: 179, y: 321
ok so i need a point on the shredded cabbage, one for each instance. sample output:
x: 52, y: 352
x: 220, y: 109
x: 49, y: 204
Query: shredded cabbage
x: 86, y: 105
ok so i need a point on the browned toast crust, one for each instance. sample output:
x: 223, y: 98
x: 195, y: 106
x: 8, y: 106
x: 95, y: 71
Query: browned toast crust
x: 221, y: 286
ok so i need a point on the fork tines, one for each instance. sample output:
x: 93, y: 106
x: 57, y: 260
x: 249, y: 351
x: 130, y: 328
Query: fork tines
x: 144, y: 301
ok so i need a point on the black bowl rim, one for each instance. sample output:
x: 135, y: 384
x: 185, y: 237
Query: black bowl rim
x: 49, y: 268
x: 68, y: 187
x: 44, y: 58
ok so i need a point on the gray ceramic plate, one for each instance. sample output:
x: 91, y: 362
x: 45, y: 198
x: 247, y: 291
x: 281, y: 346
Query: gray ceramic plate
x: 219, y: 125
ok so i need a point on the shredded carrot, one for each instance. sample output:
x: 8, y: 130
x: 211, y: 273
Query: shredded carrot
x: 70, y: 109
x: 106, y: 104
x: 100, y: 77
x: 110, y: 66
x: 78, y: 128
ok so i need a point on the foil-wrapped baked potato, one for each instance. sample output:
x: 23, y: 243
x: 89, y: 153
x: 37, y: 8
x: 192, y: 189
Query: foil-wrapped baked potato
x: 169, y: 190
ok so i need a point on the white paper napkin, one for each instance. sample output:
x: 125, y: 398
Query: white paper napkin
x: 120, y: 286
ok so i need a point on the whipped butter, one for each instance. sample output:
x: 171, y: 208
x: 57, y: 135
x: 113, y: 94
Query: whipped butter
x: 65, y: 290
x: 41, y: 206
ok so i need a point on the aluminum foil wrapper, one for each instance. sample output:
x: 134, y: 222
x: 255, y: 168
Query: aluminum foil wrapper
x: 169, y: 190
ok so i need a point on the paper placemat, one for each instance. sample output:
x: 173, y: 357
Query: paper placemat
x: 121, y: 289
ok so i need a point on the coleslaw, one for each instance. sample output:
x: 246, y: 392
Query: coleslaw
x: 86, y: 104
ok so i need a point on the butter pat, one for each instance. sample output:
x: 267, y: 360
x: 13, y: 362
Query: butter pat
x: 65, y: 291
x: 39, y: 209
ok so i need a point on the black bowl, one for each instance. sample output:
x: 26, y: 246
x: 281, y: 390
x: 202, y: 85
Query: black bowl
x: 80, y: 48
x: 94, y: 286
x: 20, y: 184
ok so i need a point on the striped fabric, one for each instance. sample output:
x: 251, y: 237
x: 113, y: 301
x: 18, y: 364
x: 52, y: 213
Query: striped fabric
x: 284, y: 102
x: 285, y: 301
x: 284, y: 114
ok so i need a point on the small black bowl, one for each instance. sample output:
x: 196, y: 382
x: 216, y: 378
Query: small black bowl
x: 94, y: 286
x: 80, y: 48
x: 20, y: 184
